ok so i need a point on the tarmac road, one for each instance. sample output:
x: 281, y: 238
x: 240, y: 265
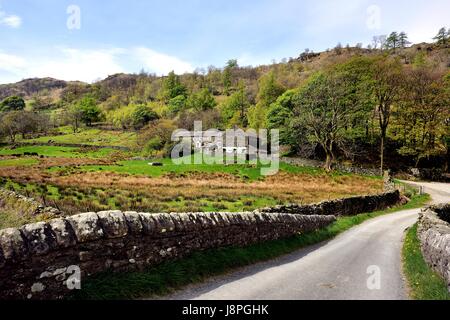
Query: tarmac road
x: 362, y: 263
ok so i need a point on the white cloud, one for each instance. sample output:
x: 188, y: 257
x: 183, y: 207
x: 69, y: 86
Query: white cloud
x: 160, y: 63
x: 248, y: 59
x: 88, y: 65
x: 66, y: 64
x: 10, y: 20
x: 11, y: 63
x: 76, y: 64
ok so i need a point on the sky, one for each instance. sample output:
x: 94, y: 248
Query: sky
x: 88, y: 40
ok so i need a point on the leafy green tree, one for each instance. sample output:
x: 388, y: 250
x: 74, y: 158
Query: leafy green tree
x: 280, y: 115
x: 393, y: 41
x: 442, y: 37
x: 172, y: 88
x: 269, y: 89
x: 142, y: 115
x: 268, y: 93
x: 227, y: 76
x: 420, y: 118
x: 201, y: 101
x: 234, y: 109
x: 156, y: 138
x: 322, y: 112
x: 89, y: 110
x: 12, y: 103
x: 177, y: 104
x: 357, y: 94
x: 122, y: 118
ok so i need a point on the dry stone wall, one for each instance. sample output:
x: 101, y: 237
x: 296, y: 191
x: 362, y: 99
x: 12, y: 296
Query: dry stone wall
x: 10, y: 200
x: 39, y: 261
x: 302, y: 162
x: 434, y: 234
x: 342, y: 207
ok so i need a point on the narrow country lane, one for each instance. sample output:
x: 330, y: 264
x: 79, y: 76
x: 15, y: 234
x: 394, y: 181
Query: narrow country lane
x: 339, y: 269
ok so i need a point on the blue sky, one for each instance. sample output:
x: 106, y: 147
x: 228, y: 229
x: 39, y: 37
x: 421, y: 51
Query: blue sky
x: 164, y: 35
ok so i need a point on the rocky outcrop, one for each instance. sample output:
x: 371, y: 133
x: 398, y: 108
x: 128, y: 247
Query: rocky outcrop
x: 434, y: 235
x: 47, y: 259
x: 342, y: 207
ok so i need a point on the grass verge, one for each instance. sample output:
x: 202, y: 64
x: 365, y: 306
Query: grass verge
x: 424, y: 283
x: 164, y: 278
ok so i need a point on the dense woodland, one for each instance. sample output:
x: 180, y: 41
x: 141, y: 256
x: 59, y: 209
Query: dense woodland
x: 386, y: 105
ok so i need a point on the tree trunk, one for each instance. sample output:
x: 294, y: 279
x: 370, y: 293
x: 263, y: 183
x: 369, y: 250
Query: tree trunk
x: 383, y: 139
x: 328, y: 162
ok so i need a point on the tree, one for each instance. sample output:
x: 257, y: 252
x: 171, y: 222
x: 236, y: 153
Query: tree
x: 32, y: 122
x: 338, y: 48
x: 172, y: 88
x: 403, y: 40
x: 420, y: 118
x: 177, y: 104
x: 201, y: 101
x: 234, y: 109
x: 72, y: 116
x: 142, y: 115
x: 393, y: 41
x: 12, y: 103
x: 89, y: 110
x: 268, y: 93
x: 9, y: 124
x: 227, y: 77
x: 280, y: 114
x: 269, y: 89
x: 387, y: 79
x: 156, y: 138
x: 442, y: 37
x: 379, y: 42
x: 122, y: 118
x: 323, y: 112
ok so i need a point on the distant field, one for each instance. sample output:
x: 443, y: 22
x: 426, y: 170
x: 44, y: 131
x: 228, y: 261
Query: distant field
x: 90, y: 137
x: 244, y: 171
x: 18, y: 162
x: 89, y: 180
x: 57, y: 152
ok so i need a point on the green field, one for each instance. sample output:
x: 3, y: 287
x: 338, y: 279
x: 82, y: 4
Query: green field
x: 89, y: 137
x: 245, y: 171
x: 18, y: 162
x: 58, y: 152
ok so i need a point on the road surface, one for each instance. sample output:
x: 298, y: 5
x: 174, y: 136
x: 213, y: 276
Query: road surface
x: 362, y: 263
